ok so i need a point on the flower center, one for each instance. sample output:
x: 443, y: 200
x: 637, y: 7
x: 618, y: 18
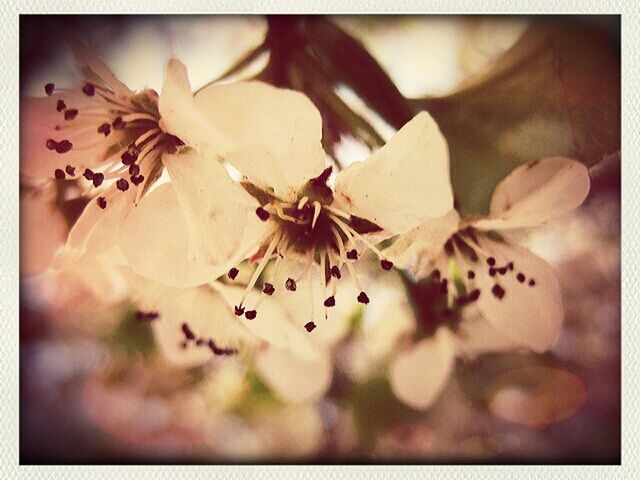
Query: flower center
x: 129, y: 159
x: 310, y: 230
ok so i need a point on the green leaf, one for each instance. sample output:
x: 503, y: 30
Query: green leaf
x: 133, y: 337
x: 555, y: 92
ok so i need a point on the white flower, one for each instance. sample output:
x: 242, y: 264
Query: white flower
x: 115, y: 141
x: 473, y: 263
x: 284, y: 209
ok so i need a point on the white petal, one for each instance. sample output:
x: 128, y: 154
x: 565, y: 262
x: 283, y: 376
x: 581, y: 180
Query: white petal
x: 275, y: 134
x: 154, y: 239
x: 403, y: 183
x: 97, y: 229
x: 292, y: 378
x: 273, y: 323
x: 205, y: 312
x: 85, y: 57
x: 182, y: 118
x: 220, y: 215
x: 419, y: 373
x: 530, y: 315
x: 424, y: 243
x: 537, y: 192
x: 476, y: 335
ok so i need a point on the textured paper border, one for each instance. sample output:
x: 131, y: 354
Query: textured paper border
x: 9, y: 245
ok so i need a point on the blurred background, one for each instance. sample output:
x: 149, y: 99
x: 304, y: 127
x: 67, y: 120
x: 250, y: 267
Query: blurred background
x: 504, y: 90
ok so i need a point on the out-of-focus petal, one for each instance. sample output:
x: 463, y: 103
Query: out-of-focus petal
x: 403, y: 183
x: 182, y: 118
x: 43, y: 230
x: 203, y: 310
x: 537, y: 192
x: 530, y: 311
x: 475, y: 336
x: 424, y: 243
x: 155, y: 240
x: 418, y: 374
x: 275, y: 134
x: 292, y: 378
x: 85, y: 57
x: 218, y: 212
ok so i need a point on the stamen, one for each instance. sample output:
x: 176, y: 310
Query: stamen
x: 310, y: 326
x: 238, y: 310
x: 102, y: 202
x: 64, y: 146
x: 491, y: 261
x: 317, y: 208
x: 89, y: 90
x: 498, y: 291
x: 49, y: 88
x: 352, y: 254
x: 59, y: 174
x: 263, y: 263
x: 188, y: 333
x: 330, y: 301
x: 386, y: 264
x: 291, y: 285
x: 250, y: 314
x: 521, y: 278
x: 71, y: 114
x: 122, y: 185
x: 363, y: 298
x: 262, y: 214
x: 335, y: 272
x: 60, y: 105
x: 268, y: 289
x: 98, y: 178
x: 532, y: 282
x: 303, y: 201
x: 70, y: 170
x: 233, y: 273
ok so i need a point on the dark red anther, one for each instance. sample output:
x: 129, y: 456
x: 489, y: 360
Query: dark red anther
x: 250, y: 314
x: 60, y: 105
x: 105, y: 129
x: 233, y: 273
x: 335, y: 272
x: 510, y: 265
x: 352, y: 254
x: 128, y: 158
x: 137, y: 180
x: 386, y: 264
x: 200, y: 342
x: 51, y: 144
x: 98, y: 178
x: 491, y: 261
x: 59, y: 174
x: 474, y: 295
x: 492, y: 272
x: 330, y: 302
x: 187, y: 332
x: 268, y: 289
x: 122, y: 185
x: 238, y: 310
x: 64, y: 146
x: 363, y: 298
x: 502, y: 270
x: 520, y: 277
x: 309, y: 326
x: 498, y: 291
x: 49, y: 88
x: 262, y: 214
x: 290, y: 285
x: 88, y: 174
x: 70, y: 170
x: 102, y: 202
x: 134, y: 169
x: 471, y: 275
x: 118, y: 123
x: 184, y: 345
x: 89, y: 89
x: 532, y: 282
x: 70, y: 114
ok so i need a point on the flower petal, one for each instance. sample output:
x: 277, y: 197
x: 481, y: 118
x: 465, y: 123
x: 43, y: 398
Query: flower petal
x: 154, y: 239
x: 43, y: 229
x: 537, y: 192
x: 38, y: 121
x: 529, y: 311
x: 96, y: 230
x: 220, y: 215
x: 476, y: 335
x: 85, y: 57
x: 202, y: 309
x: 292, y: 378
x: 403, y: 183
x: 182, y: 118
x: 419, y: 374
x: 275, y: 133
x: 424, y: 243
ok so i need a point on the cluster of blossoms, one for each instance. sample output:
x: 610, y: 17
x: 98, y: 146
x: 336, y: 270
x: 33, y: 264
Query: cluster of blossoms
x: 252, y: 240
